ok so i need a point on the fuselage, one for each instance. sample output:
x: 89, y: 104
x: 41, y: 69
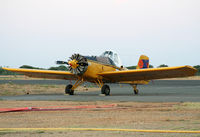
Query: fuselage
x: 89, y: 67
x: 94, y: 68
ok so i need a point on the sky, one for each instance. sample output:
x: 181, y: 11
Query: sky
x: 39, y: 32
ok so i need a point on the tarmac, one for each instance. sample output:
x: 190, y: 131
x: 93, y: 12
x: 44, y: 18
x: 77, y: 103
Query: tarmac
x: 156, y: 91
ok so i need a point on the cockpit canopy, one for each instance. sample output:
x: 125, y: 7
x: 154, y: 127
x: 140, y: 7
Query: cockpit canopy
x: 108, y: 57
x: 113, y: 56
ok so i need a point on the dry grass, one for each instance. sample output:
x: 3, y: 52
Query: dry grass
x: 126, y: 115
x: 16, y: 89
x: 189, y: 105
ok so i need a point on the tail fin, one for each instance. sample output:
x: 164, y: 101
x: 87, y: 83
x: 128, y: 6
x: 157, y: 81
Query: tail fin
x: 143, y: 62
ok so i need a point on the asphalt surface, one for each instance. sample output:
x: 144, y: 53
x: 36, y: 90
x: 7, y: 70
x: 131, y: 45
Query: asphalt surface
x: 156, y: 91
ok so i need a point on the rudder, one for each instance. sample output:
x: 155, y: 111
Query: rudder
x: 143, y: 62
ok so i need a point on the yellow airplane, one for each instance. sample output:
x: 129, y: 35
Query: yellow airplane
x: 104, y: 69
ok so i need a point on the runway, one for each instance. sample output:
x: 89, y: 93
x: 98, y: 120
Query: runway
x: 156, y: 91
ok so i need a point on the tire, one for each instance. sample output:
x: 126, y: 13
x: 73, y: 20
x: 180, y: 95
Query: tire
x: 68, y: 90
x: 105, y: 90
x: 136, y: 91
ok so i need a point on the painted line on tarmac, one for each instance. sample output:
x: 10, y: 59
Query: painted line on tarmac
x: 94, y: 129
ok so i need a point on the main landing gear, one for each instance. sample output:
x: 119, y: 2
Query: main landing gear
x: 105, y: 89
x: 70, y: 88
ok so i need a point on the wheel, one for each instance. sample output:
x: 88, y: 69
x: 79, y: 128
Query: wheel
x: 136, y: 91
x: 68, y: 90
x: 105, y: 90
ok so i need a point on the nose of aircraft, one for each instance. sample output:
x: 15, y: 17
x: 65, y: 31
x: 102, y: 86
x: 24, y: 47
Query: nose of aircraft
x: 73, y: 63
x: 77, y: 64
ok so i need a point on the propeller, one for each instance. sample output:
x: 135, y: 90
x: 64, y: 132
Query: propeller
x: 77, y: 64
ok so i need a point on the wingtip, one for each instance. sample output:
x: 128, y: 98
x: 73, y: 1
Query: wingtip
x: 188, y: 66
x: 4, y: 68
x: 191, y: 70
x: 9, y: 69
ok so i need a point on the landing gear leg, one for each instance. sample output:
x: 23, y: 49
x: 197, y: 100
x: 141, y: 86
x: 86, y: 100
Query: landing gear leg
x: 136, y: 91
x: 70, y: 89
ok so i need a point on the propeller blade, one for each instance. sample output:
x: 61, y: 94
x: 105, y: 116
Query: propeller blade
x: 81, y: 69
x: 72, y: 57
x: 70, y: 68
x: 77, y: 57
x: 75, y: 71
x: 81, y: 58
x: 61, y: 62
x: 78, y: 70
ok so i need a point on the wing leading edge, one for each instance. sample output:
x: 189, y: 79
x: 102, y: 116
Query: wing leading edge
x: 51, y: 74
x: 149, y: 74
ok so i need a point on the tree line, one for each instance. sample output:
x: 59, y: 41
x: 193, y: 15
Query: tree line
x: 64, y: 68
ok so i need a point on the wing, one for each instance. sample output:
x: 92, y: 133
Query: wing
x: 149, y: 74
x: 50, y: 74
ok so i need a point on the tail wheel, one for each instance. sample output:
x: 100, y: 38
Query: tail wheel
x: 105, y: 90
x: 136, y: 91
x: 68, y: 90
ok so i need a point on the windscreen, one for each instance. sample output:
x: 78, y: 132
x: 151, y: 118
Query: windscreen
x: 113, y: 56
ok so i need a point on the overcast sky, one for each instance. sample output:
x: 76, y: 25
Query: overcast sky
x: 39, y: 32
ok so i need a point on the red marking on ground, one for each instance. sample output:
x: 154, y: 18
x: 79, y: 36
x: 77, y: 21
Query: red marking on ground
x: 56, y: 108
